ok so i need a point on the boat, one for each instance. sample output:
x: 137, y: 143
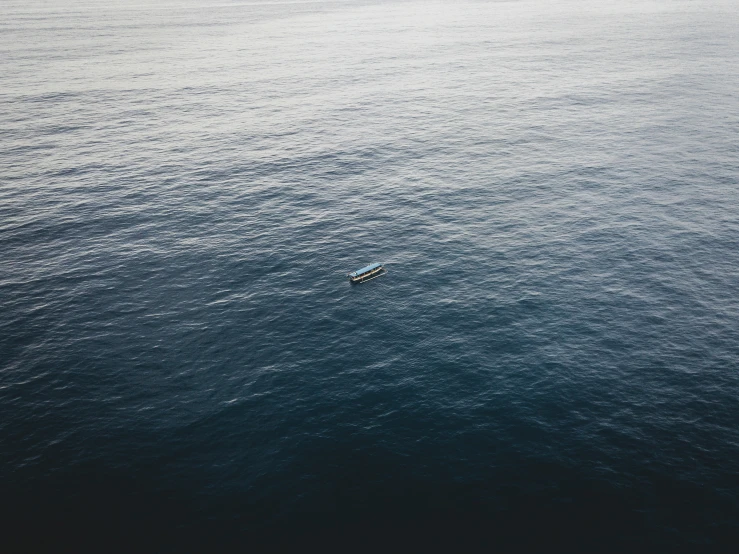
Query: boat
x: 366, y: 273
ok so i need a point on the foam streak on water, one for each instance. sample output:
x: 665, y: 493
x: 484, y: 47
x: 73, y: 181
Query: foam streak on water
x: 551, y: 359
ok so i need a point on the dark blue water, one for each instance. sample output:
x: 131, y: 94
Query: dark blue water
x: 550, y: 362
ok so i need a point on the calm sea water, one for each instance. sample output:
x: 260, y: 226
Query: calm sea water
x: 551, y: 360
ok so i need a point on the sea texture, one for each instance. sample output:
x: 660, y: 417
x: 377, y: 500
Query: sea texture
x: 551, y: 360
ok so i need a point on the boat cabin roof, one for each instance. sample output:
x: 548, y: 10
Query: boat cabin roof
x: 364, y: 270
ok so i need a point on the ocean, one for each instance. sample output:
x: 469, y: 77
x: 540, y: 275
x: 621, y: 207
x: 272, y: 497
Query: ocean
x: 549, y: 364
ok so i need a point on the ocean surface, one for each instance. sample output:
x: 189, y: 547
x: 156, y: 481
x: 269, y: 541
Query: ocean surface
x: 551, y: 361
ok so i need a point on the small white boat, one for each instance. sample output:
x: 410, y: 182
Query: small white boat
x: 366, y: 273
